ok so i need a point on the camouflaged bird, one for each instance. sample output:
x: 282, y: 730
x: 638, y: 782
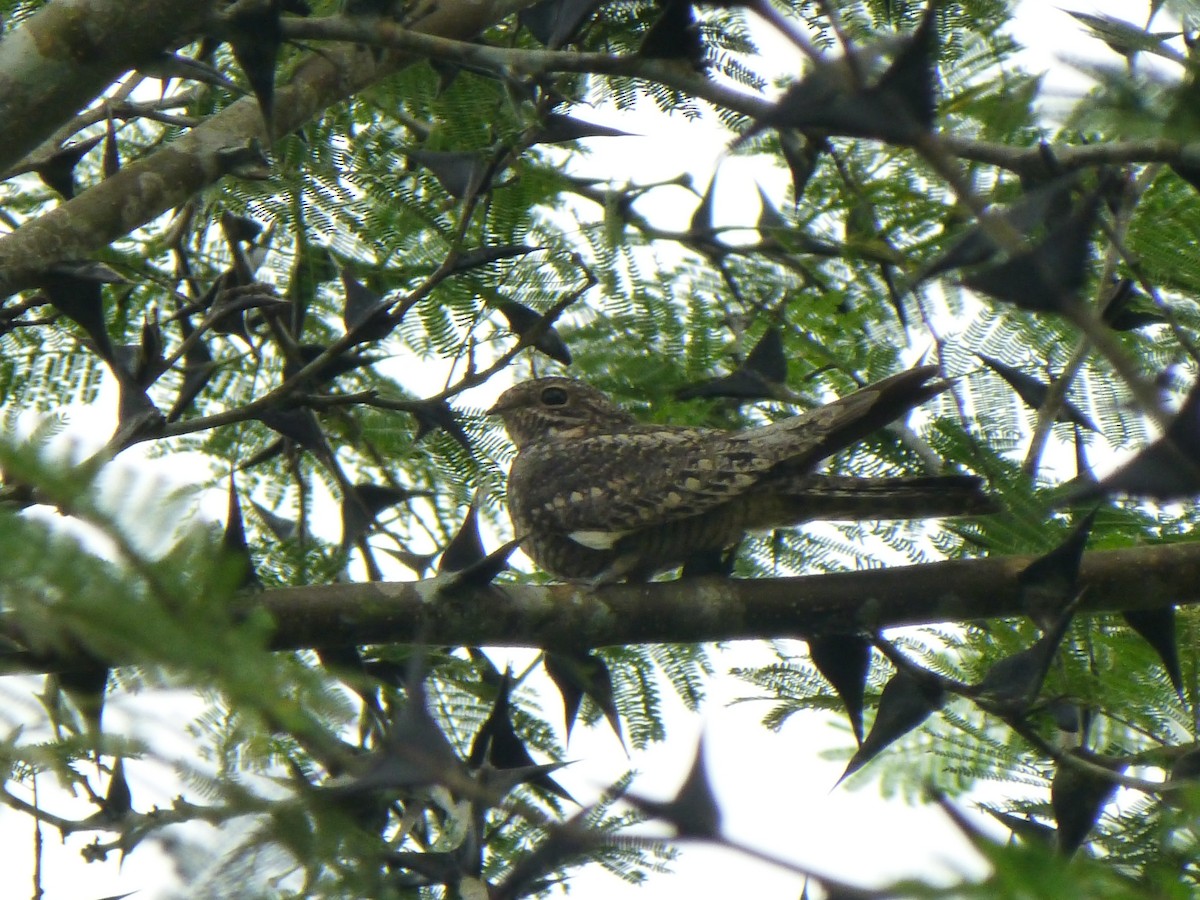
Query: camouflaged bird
x: 599, y: 497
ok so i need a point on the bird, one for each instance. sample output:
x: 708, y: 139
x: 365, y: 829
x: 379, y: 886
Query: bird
x: 597, y: 497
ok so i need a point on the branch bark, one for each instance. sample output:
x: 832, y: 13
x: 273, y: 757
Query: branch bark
x: 67, y: 54
x: 702, y: 609
x: 145, y: 189
x: 149, y: 187
x: 717, y: 609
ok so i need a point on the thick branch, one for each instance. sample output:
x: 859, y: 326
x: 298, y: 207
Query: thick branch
x: 147, y: 188
x: 60, y: 59
x: 717, y: 609
x: 704, y: 609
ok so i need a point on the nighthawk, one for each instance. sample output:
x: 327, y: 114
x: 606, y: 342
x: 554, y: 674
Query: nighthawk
x: 599, y: 496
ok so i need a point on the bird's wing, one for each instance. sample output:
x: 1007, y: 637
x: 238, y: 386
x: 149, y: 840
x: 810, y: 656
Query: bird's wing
x: 806, y: 439
x: 603, y: 486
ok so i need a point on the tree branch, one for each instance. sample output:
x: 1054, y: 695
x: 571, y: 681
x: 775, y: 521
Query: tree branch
x: 702, y: 609
x: 63, y: 57
x: 148, y: 187
x: 717, y: 609
x: 1038, y: 160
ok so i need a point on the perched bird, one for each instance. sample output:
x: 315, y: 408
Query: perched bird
x: 597, y: 496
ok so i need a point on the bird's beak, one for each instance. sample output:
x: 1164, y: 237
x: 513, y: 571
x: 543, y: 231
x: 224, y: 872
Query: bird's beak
x: 500, y: 406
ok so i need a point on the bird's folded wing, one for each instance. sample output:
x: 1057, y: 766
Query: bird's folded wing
x: 609, y: 483
x: 808, y: 438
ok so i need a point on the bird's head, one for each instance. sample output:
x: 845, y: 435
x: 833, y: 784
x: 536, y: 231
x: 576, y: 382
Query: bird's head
x: 555, y: 407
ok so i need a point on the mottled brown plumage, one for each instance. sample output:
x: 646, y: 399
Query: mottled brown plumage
x: 600, y: 497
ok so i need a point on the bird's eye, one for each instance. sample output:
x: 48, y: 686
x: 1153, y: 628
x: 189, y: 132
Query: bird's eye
x: 554, y: 396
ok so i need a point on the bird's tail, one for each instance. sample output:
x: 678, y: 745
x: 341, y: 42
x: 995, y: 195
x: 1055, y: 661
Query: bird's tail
x: 843, y: 497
